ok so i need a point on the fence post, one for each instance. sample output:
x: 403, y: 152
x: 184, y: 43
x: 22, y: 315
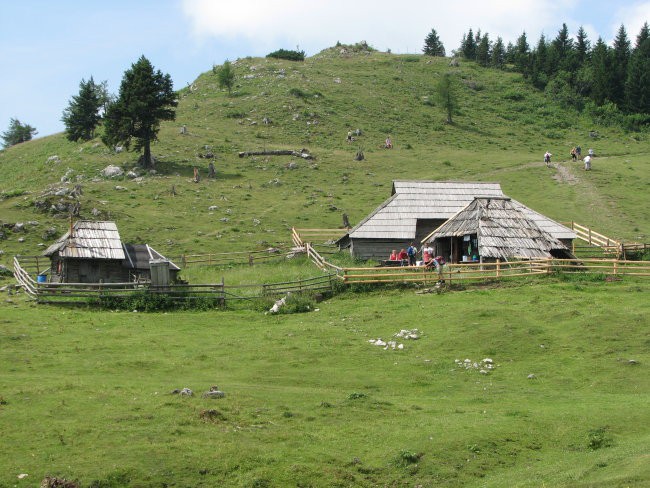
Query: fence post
x: 250, y: 260
x: 590, y: 243
x: 184, y: 261
x: 498, y: 268
x: 615, y: 267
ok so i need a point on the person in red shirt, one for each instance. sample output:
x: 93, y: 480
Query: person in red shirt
x: 402, y: 255
x: 393, y: 256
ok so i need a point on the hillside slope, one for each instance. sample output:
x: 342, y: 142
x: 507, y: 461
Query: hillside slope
x: 499, y: 134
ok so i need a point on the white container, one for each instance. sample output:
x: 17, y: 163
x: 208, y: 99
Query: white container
x: 465, y: 259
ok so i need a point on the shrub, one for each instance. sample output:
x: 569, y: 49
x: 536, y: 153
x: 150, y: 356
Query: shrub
x: 287, y: 54
x: 406, y: 457
x: 598, y: 438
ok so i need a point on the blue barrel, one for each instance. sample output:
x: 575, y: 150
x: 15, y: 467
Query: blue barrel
x: 41, y: 278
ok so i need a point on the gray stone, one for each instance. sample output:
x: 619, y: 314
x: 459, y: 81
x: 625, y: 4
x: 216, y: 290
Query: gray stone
x: 214, y: 394
x: 112, y: 171
x: 19, y: 227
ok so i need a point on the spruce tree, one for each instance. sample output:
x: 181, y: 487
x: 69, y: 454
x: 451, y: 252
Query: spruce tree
x: 637, y: 86
x: 432, y: 45
x: 644, y: 34
x: 446, y: 93
x: 81, y: 117
x: 539, y: 63
x: 582, y: 47
x: 621, y: 56
x: 226, y: 76
x: 601, y: 64
x: 17, y: 133
x: 522, y: 54
x: 483, y: 51
x: 498, y: 56
x: 146, y: 98
x: 468, y: 46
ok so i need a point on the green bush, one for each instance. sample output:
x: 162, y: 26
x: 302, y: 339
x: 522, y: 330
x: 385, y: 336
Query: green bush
x: 287, y: 54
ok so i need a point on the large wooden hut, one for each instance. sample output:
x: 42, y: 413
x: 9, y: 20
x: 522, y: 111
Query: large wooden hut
x: 494, y: 228
x: 414, y: 209
x: 92, y: 252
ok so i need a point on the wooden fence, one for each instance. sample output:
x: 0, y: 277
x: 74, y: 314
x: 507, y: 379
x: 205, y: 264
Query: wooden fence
x: 27, y: 268
x: 606, y: 245
x: 467, y: 272
x: 227, y: 258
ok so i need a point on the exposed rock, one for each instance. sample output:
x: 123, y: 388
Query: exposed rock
x: 213, y: 207
x: 49, y: 233
x: 531, y: 376
x: 120, y: 188
x: 214, y: 394
x: 112, y: 171
x: 132, y: 175
x: 291, y: 165
x: 53, y: 482
x: 54, y: 159
x: 19, y: 227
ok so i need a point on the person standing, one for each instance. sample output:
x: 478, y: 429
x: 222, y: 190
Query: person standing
x: 587, y: 161
x: 412, y: 252
x: 547, y: 159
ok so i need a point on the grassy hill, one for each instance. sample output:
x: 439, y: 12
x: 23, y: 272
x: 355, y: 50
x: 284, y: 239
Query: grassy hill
x: 500, y: 134
x: 86, y: 394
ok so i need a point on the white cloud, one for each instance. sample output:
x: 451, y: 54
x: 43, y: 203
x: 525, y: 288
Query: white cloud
x: 632, y: 17
x: 316, y: 24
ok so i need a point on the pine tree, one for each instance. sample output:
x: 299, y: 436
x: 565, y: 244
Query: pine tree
x: 621, y: 56
x: 468, y: 46
x: 562, y: 46
x: 446, y: 93
x: 18, y: 133
x: 146, y: 98
x: 226, y: 76
x: 432, y: 45
x: 539, y: 63
x: 637, y: 86
x: 601, y: 63
x: 81, y: 117
x: 582, y: 47
x: 498, y: 57
x: 522, y: 54
x: 644, y: 34
x: 483, y: 51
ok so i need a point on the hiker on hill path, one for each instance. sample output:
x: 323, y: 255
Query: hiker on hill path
x: 579, y: 151
x: 547, y: 159
x: 587, y: 161
x: 389, y: 143
x: 349, y: 136
x: 574, y: 154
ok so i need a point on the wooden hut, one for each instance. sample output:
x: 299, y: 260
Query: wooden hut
x: 418, y: 207
x: 488, y: 229
x: 414, y: 209
x: 92, y: 252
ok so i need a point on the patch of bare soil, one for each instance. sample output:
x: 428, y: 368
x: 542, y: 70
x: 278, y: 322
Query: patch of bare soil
x: 564, y: 175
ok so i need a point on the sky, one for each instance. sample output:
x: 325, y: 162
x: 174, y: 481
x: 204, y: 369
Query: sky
x: 47, y: 47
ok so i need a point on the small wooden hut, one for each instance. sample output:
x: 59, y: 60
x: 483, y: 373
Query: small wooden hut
x: 92, y: 252
x: 494, y: 228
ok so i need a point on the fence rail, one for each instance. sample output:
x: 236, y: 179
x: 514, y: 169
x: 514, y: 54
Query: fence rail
x: 498, y: 270
x: 26, y: 268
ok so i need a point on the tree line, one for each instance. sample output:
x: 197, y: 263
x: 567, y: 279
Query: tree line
x: 609, y: 80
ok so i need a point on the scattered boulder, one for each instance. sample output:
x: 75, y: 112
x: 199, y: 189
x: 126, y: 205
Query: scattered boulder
x: 531, y: 376
x: 120, y: 188
x: 214, y: 394
x: 119, y: 149
x: 186, y: 392
x: 112, y: 171
x: 19, y: 227
x: 49, y: 233
x: 212, y: 414
x: 212, y: 208
x: 132, y: 175
x: 291, y: 165
x: 53, y: 159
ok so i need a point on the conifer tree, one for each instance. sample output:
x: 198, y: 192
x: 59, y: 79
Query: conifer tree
x: 226, y: 76
x: 582, y: 46
x: 81, y: 117
x: 522, y: 54
x: 602, y: 74
x: 637, y: 86
x: 620, y: 58
x: 146, y: 98
x: 17, y: 133
x: 468, y: 45
x: 432, y: 45
x: 498, y: 56
x: 483, y: 50
x: 446, y: 93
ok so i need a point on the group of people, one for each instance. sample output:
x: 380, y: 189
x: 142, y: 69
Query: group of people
x: 409, y: 256
x: 576, y: 153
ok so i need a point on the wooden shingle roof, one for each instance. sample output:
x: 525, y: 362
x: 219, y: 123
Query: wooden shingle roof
x: 89, y: 239
x: 503, y: 228
x: 411, y: 201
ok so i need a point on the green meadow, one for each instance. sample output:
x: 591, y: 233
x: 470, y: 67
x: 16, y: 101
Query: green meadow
x: 86, y: 393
